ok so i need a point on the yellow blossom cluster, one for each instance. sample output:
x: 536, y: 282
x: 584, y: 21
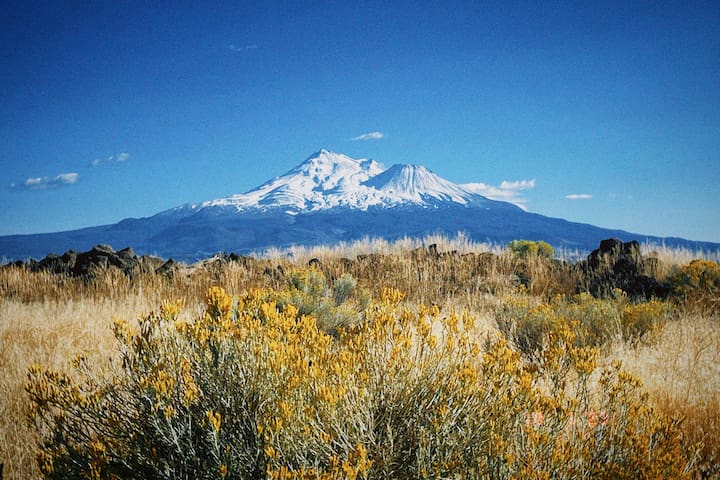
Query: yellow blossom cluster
x: 581, y: 320
x: 255, y: 387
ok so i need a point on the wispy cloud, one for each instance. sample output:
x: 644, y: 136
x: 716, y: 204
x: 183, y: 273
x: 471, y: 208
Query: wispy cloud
x: 578, y: 196
x: 507, y: 191
x: 517, y: 185
x: 43, y: 183
x: 241, y: 48
x: 368, y: 136
x: 117, y: 158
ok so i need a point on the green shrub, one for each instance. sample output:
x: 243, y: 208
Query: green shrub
x: 335, y: 307
x: 530, y: 248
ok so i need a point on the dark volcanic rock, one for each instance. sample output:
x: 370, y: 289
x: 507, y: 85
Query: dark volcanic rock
x: 85, y: 264
x: 103, y: 256
x: 128, y: 255
x: 168, y: 268
x: 618, y: 265
x: 59, y: 264
x: 245, y: 261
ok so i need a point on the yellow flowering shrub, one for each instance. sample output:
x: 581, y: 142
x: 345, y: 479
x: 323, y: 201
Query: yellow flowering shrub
x: 531, y: 248
x: 698, y: 284
x: 254, y: 388
x: 529, y: 322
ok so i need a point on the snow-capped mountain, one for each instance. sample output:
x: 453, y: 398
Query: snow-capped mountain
x: 416, y: 184
x: 328, y: 198
x: 327, y: 180
x: 324, y: 180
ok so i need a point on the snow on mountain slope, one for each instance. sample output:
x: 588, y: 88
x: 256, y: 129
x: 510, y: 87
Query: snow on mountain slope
x: 328, y: 180
x: 417, y: 184
x: 324, y: 180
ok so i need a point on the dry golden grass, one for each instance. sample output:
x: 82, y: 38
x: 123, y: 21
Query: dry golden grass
x: 674, y: 256
x: 48, y: 333
x: 460, y: 243
x: 681, y: 371
x: 46, y: 319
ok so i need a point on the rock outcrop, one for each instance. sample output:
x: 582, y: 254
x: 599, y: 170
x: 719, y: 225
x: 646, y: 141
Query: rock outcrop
x: 618, y: 265
x: 87, y: 264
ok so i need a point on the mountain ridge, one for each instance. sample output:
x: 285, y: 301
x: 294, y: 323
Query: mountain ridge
x: 327, y: 198
x: 328, y: 180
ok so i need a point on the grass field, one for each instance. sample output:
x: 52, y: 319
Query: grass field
x: 402, y: 364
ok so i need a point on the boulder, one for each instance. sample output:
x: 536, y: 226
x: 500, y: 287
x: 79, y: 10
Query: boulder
x: 85, y: 264
x: 103, y: 256
x: 59, y: 264
x: 242, y: 259
x: 620, y: 265
x: 168, y: 268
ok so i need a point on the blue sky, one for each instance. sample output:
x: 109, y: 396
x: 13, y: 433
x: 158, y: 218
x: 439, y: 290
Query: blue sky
x: 111, y: 110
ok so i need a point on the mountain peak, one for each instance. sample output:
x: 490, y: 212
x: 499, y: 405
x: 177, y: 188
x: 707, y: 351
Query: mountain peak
x: 323, y: 152
x: 324, y: 157
x: 417, y: 184
x: 327, y: 179
x: 323, y: 180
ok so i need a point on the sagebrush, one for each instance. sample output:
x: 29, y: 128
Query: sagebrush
x: 252, y: 388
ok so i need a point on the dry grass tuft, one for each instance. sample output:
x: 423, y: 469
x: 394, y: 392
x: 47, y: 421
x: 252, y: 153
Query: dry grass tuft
x: 48, y: 333
x: 681, y: 371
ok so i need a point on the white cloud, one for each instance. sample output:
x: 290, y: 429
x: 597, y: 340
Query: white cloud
x: 506, y: 192
x: 117, y: 158
x: 43, y: 183
x: 517, y: 184
x: 68, y: 178
x: 368, y: 136
x: 241, y: 48
x: 578, y: 196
